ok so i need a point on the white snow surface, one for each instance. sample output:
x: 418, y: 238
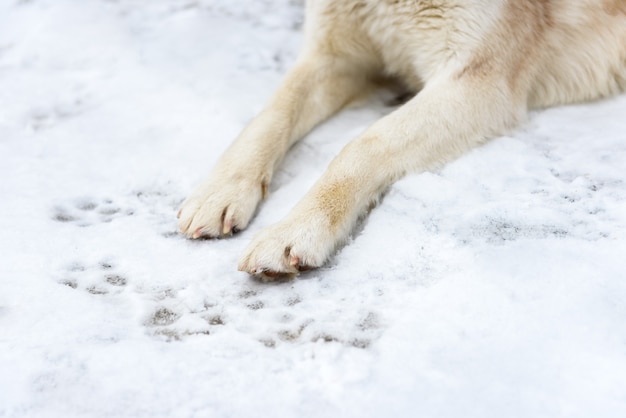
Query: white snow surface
x: 493, y: 287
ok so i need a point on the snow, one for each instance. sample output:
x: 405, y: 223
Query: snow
x: 492, y: 287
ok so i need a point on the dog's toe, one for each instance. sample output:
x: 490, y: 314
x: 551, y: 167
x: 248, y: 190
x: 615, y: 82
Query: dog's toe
x: 214, y: 211
x: 285, y: 249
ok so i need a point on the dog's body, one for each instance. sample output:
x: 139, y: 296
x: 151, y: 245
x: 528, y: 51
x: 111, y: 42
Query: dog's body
x: 478, y: 65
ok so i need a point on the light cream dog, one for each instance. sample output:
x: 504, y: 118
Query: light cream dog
x: 478, y: 65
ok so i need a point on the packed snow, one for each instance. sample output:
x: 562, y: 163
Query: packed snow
x: 493, y: 287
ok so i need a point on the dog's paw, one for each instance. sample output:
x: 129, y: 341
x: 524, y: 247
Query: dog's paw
x: 218, y: 209
x: 285, y: 249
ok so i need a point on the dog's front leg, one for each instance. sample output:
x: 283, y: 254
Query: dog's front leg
x: 317, y: 87
x: 447, y: 118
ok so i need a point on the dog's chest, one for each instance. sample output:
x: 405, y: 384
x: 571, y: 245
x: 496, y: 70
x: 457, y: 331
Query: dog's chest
x: 417, y: 39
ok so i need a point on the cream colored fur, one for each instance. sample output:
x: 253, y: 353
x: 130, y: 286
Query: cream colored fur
x: 478, y: 65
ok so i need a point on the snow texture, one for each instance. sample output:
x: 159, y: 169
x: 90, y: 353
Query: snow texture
x: 494, y: 287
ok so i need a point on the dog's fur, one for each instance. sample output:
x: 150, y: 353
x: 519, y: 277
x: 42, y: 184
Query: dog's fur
x: 478, y: 65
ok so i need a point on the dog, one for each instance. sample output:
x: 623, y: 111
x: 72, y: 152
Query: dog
x: 477, y: 66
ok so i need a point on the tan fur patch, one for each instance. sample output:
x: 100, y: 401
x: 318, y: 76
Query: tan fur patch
x: 335, y: 200
x: 614, y: 7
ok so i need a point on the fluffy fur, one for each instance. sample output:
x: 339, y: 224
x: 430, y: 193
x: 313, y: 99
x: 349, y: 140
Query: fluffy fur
x: 478, y: 65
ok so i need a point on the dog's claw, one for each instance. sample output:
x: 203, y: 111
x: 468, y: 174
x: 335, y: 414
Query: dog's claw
x: 304, y: 268
x: 228, y: 227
